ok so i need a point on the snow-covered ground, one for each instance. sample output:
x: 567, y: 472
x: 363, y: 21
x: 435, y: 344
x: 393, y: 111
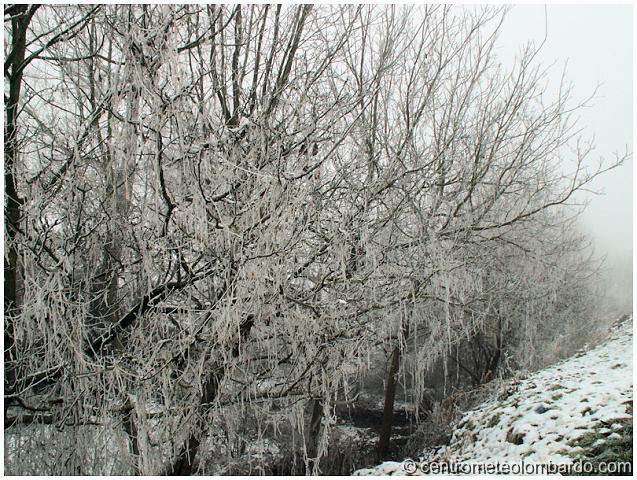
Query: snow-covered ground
x: 536, y: 420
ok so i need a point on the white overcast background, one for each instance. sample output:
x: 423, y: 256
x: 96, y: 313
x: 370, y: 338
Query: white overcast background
x: 596, y: 41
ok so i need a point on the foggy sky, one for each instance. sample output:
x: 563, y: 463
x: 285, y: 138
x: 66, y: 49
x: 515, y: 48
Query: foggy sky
x: 596, y: 41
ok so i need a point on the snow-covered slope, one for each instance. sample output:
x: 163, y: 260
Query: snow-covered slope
x: 537, y: 419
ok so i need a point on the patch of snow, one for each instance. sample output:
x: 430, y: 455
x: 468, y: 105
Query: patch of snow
x: 538, y: 418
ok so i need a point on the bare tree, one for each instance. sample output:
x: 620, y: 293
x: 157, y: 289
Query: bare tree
x: 220, y: 210
x: 467, y: 155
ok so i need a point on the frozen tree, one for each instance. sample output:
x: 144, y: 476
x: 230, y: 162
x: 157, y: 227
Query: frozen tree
x: 176, y: 206
x: 218, y: 212
x: 466, y: 153
x: 23, y: 49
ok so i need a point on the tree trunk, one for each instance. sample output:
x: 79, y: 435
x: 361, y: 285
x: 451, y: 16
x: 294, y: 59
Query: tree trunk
x: 130, y: 427
x: 495, y: 359
x: 388, y: 409
x: 184, y: 464
x: 19, y: 25
x: 314, y: 436
x: 390, y: 393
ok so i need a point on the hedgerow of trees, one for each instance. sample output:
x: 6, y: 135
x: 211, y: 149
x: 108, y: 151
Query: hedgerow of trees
x: 214, y: 212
